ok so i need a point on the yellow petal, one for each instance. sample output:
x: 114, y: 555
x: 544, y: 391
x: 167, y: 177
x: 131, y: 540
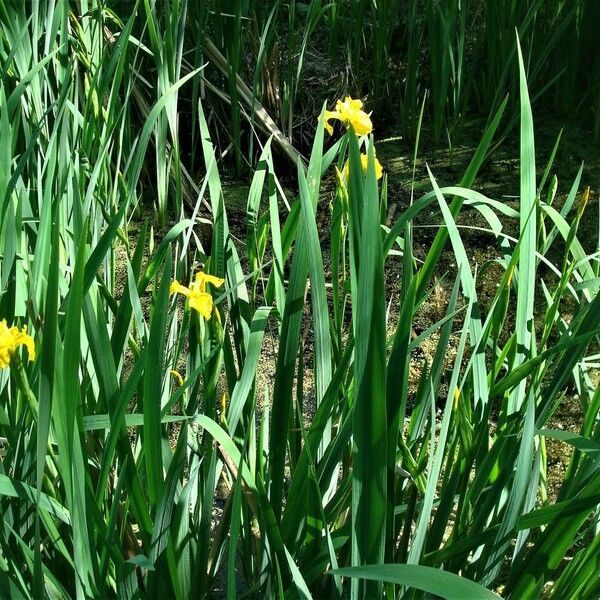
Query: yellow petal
x: 203, y: 278
x: 378, y: 169
x: 361, y: 122
x: 330, y: 114
x: 583, y: 202
x: 355, y: 104
x: 4, y: 333
x: 177, y: 288
x: 364, y: 160
x: 349, y: 104
x: 203, y: 303
x: 177, y: 375
x: 346, y: 171
x: 10, y: 339
x: 5, y: 344
x: 196, y: 286
x: 22, y: 338
x: 216, y: 281
x: 350, y: 113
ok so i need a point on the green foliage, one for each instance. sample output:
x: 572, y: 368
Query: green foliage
x: 458, y: 53
x: 263, y: 61
x: 149, y: 451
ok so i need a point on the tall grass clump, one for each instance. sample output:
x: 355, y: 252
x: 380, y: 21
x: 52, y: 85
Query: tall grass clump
x: 262, y: 61
x: 460, y: 55
x: 182, y: 414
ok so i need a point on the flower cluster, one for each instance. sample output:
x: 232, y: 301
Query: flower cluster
x: 10, y: 339
x: 350, y: 112
x: 198, y: 298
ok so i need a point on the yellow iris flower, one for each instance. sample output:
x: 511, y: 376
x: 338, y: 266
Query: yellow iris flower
x: 198, y: 298
x: 10, y: 339
x: 177, y: 375
x: 364, y: 159
x: 350, y: 112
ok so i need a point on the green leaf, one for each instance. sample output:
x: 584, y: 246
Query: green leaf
x: 585, y: 445
x: 527, y: 229
x: 248, y: 375
x: 153, y: 382
x: 430, y: 580
x: 320, y: 310
x: 26, y: 493
x: 369, y: 424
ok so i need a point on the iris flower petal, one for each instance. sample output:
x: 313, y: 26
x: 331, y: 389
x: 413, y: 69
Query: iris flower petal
x: 177, y: 288
x: 203, y: 278
x: 330, y: 114
x: 349, y: 112
x: 203, y: 303
x: 10, y: 339
x: 198, y: 298
x: 364, y: 159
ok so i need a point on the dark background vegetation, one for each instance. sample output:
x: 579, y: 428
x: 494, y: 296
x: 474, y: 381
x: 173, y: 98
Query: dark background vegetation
x: 459, y: 57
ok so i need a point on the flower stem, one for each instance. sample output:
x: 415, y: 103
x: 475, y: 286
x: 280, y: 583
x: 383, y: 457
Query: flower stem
x: 18, y: 371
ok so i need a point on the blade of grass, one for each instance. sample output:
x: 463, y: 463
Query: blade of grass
x: 528, y: 228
